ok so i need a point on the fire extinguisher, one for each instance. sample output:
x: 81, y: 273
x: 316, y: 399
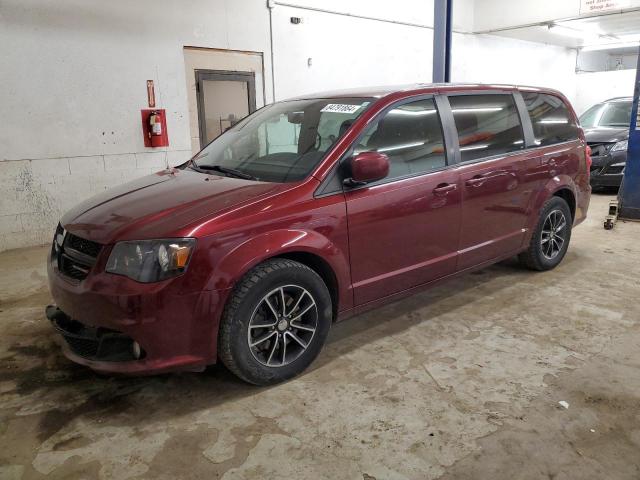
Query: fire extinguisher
x: 155, y: 128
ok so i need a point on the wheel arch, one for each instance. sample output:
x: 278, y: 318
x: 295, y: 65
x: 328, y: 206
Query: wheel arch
x: 559, y: 186
x: 319, y: 265
x: 307, y: 247
x: 568, y: 196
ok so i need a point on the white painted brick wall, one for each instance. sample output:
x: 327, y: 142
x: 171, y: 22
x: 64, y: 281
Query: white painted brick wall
x: 119, y: 162
x: 10, y: 224
x: 151, y: 160
x: 86, y: 164
x: 36, y: 193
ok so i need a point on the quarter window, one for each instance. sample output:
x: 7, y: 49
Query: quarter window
x: 487, y: 125
x: 550, y: 118
x: 410, y: 135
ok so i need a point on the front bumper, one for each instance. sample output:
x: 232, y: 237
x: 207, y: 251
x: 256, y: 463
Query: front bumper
x: 606, y: 180
x: 604, y: 173
x: 102, y: 315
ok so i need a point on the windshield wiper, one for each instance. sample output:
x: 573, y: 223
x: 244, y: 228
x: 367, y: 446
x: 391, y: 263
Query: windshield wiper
x: 231, y: 172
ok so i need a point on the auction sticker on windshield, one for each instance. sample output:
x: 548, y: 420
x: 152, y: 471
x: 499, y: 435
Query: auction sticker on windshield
x: 341, y: 108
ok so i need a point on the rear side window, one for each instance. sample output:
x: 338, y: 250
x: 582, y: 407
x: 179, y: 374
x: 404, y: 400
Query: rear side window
x: 410, y: 135
x: 487, y: 125
x: 550, y: 117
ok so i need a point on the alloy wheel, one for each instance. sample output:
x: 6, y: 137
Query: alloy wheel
x: 553, y: 234
x: 282, y: 326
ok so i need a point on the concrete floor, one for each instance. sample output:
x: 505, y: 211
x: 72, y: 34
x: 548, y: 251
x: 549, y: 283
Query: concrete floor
x: 462, y: 381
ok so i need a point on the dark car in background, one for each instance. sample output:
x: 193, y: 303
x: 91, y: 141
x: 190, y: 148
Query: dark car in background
x: 606, y: 127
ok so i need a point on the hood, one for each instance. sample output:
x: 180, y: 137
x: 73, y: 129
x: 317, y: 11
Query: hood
x: 156, y: 205
x: 606, y: 134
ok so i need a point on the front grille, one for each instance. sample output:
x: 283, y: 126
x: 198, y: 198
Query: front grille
x: 72, y: 268
x: 74, y: 256
x: 83, y: 246
x: 84, y: 347
x: 93, y: 343
x: 600, y: 149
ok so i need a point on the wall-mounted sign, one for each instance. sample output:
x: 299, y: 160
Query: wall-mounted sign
x: 151, y: 94
x: 595, y: 6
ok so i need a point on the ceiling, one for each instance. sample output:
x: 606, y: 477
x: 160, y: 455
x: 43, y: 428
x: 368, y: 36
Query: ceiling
x: 618, y: 28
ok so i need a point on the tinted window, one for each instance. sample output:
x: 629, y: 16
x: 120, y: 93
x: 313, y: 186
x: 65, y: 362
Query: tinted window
x: 550, y: 117
x: 411, y: 135
x: 487, y: 125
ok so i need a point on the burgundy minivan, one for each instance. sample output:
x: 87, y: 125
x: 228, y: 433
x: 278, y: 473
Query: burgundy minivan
x: 309, y: 211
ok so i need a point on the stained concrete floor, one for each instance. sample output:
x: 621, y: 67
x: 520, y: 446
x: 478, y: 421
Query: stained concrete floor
x: 462, y: 381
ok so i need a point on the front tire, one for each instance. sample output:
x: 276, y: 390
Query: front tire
x: 275, y: 323
x: 550, y: 239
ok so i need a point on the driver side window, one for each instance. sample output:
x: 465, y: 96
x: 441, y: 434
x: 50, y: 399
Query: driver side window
x: 411, y: 136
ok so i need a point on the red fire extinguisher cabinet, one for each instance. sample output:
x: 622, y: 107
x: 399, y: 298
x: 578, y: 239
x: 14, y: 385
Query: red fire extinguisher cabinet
x: 154, y: 128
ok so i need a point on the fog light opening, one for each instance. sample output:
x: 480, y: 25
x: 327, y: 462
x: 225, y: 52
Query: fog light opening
x: 136, y: 350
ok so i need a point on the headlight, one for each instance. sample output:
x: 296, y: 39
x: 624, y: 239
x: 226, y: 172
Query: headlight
x: 620, y: 146
x: 151, y: 260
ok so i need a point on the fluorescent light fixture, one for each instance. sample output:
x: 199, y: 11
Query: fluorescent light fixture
x: 474, y: 147
x: 580, y: 34
x: 474, y: 110
x: 401, y: 147
x: 566, y: 32
x: 610, y: 46
x: 398, y: 111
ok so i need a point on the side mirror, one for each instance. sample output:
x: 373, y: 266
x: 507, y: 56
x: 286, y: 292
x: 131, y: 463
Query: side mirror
x: 367, y: 167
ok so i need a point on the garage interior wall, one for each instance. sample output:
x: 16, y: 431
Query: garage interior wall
x: 594, y: 87
x: 74, y: 78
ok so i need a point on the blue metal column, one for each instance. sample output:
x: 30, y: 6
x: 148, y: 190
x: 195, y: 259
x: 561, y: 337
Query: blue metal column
x: 442, y: 41
x: 630, y: 192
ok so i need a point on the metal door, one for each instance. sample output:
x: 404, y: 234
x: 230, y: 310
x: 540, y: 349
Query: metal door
x: 224, y: 98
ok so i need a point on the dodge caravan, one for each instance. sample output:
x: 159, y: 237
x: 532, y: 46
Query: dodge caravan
x: 309, y: 211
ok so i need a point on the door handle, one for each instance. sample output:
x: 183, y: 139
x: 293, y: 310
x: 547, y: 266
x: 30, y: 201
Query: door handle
x: 476, y: 181
x: 444, y: 188
x: 480, y: 179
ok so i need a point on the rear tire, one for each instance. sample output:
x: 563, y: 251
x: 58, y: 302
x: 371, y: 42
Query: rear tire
x: 550, y: 239
x: 275, y: 323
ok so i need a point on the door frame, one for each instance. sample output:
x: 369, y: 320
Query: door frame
x: 221, y: 75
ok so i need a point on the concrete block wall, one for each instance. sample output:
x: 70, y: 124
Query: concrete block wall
x: 36, y: 193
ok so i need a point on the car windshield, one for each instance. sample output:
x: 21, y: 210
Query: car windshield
x: 612, y: 114
x: 283, y: 142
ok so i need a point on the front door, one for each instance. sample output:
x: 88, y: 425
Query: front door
x: 403, y: 230
x: 224, y: 98
x: 495, y: 176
